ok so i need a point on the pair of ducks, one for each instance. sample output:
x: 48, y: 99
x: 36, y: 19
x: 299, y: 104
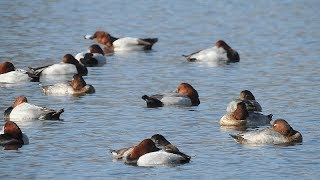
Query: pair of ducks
x: 73, y: 65
x: 69, y: 65
x: 147, y: 153
x: 221, y: 51
x: 77, y: 64
x: 246, y: 112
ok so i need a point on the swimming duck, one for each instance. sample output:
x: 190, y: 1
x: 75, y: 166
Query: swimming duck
x: 93, y: 57
x: 147, y: 154
x: 21, y: 110
x: 280, y: 132
x: 77, y: 86
x: 9, y: 74
x: 113, y: 44
x: 221, y: 52
x: 248, y: 98
x: 69, y: 65
x: 255, y: 117
x: 185, y: 95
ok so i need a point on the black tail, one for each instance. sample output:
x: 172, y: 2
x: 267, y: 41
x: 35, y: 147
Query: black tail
x: 186, y: 158
x: 34, y: 77
x: 151, y: 40
x: 152, y: 102
x: 6, y: 114
x: 53, y: 115
x: 57, y: 114
x: 35, y: 73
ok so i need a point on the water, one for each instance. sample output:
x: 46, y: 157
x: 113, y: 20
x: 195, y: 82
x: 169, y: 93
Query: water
x: 279, y: 46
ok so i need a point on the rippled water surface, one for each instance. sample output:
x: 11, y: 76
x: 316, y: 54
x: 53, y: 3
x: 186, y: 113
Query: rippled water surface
x: 279, y: 47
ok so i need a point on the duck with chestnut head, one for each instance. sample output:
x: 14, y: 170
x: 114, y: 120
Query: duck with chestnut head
x: 12, y: 137
x: 21, y: 109
x: 77, y: 87
x: 185, y: 95
x: 113, y: 44
x: 280, y: 132
x: 221, y: 52
x: 68, y: 66
x: 11, y: 75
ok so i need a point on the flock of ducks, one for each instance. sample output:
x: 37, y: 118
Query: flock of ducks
x: 242, y: 113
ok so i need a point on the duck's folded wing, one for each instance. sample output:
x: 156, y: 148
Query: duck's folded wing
x: 186, y: 158
x: 189, y: 57
x: 263, y: 136
x: 37, y: 71
x: 121, y: 153
x: 147, y: 41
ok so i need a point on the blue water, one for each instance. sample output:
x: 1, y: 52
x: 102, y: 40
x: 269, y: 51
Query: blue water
x: 279, y: 47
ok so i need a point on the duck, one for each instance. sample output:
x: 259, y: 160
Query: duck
x: 9, y: 74
x: 69, y: 65
x: 93, y: 57
x: 280, y: 132
x: 22, y: 110
x: 248, y: 98
x: 255, y: 117
x: 237, y: 118
x: 220, y: 52
x: 12, y: 137
x: 113, y: 44
x: 160, y: 140
x: 77, y: 86
x: 147, y: 154
x: 185, y: 95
